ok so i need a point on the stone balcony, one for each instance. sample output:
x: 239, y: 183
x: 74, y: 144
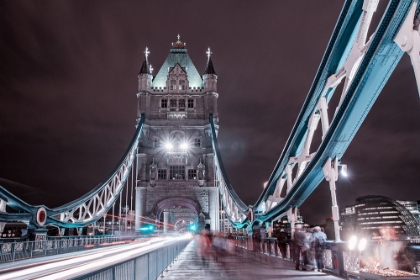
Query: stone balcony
x: 176, y: 115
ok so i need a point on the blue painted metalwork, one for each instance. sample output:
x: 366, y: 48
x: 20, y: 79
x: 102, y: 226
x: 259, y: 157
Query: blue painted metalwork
x: 240, y: 204
x: 375, y: 69
x: 28, y: 213
x: 377, y: 65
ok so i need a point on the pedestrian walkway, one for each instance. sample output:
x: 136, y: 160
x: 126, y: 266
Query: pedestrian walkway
x: 244, y: 265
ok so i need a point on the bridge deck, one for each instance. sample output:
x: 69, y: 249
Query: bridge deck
x: 242, y: 265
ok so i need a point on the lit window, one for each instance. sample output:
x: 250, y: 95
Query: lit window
x: 192, y: 174
x: 182, y: 84
x: 173, y: 103
x: 181, y: 103
x: 173, y: 84
x: 162, y: 174
x: 164, y: 103
x: 197, y: 142
x: 177, y: 172
x: 190, y: 103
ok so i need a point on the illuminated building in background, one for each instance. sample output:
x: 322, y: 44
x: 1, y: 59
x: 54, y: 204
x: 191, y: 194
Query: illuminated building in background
x: 373, y: 213
x: 175, y: 161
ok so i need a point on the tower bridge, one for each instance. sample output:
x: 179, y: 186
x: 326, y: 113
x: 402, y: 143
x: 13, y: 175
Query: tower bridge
x: 174, y: 156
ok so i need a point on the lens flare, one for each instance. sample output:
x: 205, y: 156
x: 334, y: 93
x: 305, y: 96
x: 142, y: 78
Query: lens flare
x: 169, y: 146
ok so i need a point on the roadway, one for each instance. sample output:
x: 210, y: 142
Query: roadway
x: 79, y: 263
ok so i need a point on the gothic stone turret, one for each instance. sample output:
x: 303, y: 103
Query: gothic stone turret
x: 175, y: 170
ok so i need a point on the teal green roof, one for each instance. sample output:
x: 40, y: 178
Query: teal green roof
x: 181, y: 57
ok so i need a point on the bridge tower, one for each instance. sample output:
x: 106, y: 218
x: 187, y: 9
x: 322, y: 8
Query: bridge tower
x: 175, y: 159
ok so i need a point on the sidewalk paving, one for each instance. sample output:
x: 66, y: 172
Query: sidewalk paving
x: 244, y: 265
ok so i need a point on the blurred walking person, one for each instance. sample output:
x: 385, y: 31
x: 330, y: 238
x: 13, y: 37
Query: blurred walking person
x: 319, y: 240
x: 301, y: 246
x: 204, y: 246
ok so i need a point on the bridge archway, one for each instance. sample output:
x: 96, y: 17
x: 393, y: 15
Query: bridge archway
x: 180, y: 209
x: 181, y: 224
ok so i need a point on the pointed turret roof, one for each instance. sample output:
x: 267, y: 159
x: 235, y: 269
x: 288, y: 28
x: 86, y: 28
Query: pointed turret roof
x: 209, y: 67
x: 145, y: 68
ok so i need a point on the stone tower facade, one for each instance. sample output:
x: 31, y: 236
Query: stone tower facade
x: 175, y: 160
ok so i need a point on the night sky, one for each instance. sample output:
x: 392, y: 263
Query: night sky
x: 68, y: 83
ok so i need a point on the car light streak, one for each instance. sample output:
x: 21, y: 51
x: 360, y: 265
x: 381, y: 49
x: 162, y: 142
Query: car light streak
x: 97, y: 264
x: 84, y: 263
x: 73, y: 261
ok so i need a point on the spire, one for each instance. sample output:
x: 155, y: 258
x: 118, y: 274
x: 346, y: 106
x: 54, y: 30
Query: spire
x: 178, y: 44
x: 145, y: 68
x: 209, y: 67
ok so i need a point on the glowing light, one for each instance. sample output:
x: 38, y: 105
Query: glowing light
x: 184, y: 146
x: 265, y: 185
x: 169, y: 146
x: 352, y: 242
x: 344, y: 170
x: 362, y: 244
x: 147, y: 228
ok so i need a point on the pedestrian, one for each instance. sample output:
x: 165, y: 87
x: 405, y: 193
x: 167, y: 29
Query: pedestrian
x: 203, y: 246
x: 282, y: 242
x: 301, y: 246
x: 256, y: 237
x: 319, y: 240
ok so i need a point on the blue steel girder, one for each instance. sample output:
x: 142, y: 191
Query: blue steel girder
x: 238, y: 214
x: 83, y: 211
x: 337, y: 49
x: 377, y: 65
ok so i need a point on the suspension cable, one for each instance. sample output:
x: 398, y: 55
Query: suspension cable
x: 126, y: 205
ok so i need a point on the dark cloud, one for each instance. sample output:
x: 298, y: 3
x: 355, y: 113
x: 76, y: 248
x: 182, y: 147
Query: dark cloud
x: 69, y: 77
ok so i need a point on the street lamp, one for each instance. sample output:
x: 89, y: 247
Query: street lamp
x: 169, y: 146
x: 184, y: 146
x: 352, y: 242
x: 355, y: 258
x: 362, y: 244
x: 344, y: 170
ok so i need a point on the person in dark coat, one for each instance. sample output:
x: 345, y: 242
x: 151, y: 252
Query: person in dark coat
x: 301, y: 246
x: 282, y: 242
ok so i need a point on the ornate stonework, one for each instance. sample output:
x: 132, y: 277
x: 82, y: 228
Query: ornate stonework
x: 175, y: 160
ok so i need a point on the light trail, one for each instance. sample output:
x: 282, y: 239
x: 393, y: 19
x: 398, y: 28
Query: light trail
x: 78, y: 265
x: 154, y: 221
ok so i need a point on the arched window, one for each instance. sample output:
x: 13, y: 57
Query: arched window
x: 156, y: 143
x: 173, y: 84
x: 181, y: 84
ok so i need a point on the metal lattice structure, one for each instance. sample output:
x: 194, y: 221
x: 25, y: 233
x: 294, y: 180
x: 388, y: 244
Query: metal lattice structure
x: 362, y: 64
x: 85, y: 210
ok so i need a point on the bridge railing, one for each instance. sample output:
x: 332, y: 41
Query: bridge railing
x: 144, y: 267
x: 20, y: 250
